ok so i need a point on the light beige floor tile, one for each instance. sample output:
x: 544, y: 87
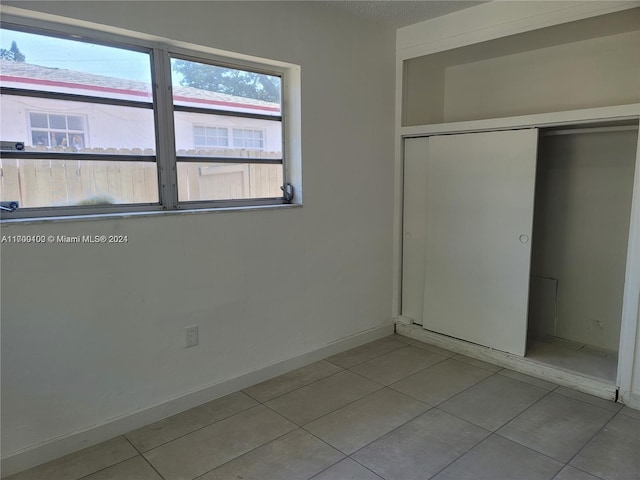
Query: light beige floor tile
x: 296, y: 455
x: 477, y: 363
x: 557, y: 426
x: 598, y: 402
x: 207, y: 448
x: 366, y: 352
x: 324, y: 396
x: 570, y: 473
x: 81, y: 463
x: 421, y: 447
x: 440, y: 382
x: 352, y: 427
x: 614, y: 453
x: 630, y: 412
x: 434, y: 349
x: 158, y: 433
x: 347, y: 469
x: 493, y: 402
x: 394, y: 366
x: 135, y: 468
x: 497, y: 458
x: 292, y: 380
x: 528, y: 379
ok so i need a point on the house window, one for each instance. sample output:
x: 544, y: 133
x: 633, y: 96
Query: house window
x: 57, y: 130
x: 210, y: 136
x: 170, y: 128
x: 247, y: 138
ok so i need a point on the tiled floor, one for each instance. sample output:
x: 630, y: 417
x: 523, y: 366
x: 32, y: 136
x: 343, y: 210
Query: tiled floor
x: 393, y: 409
x: 578, y: 357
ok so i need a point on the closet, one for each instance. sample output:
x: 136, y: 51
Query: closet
x: 518, y: 163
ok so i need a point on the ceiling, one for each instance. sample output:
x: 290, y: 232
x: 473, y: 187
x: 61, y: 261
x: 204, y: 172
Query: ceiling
x: 399, y: 13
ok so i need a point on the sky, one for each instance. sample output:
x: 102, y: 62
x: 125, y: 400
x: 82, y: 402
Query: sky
x: 79, y: 56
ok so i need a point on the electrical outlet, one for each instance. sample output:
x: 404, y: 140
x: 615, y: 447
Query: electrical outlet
x: 191, y: 336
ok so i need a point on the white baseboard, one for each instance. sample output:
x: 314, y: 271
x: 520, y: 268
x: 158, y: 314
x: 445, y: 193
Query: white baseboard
x: 566, y: 378
x: 630, y: 399
x: 23, y: 459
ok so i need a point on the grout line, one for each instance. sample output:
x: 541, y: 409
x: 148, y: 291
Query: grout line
x: 101, y: 469
x: 460, y: 456
x: 406, y: 376
x: 145, y: 458
x: 245, y: 453
x: 297, y: 388
x: 547, y: 392
x: 583, y: 471
x: 375, y: 439
x: 192, y: 431
x: 404, y: 345
x: 592, y: 437
x: 364, y: 466
x: 504, y: 424
x: 542, y: 453
x: 325, y: 469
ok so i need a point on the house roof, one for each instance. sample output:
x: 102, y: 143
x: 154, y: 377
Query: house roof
x: 25, y: 75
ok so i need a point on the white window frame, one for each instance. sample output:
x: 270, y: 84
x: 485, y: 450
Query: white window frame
x: 162, y: 50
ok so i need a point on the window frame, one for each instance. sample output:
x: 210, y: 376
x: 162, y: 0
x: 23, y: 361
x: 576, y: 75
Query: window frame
x: 160, y: 51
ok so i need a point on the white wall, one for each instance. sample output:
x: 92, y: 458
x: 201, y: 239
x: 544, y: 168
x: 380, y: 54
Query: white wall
x: 590, y: 73
x: 90, y: 333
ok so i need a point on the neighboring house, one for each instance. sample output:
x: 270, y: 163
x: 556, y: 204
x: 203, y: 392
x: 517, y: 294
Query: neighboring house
x: 51, y: 123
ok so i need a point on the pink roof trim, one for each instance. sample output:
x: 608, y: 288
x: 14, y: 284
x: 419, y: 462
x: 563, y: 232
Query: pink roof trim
x: 180, y: 98
x: 53, y: 83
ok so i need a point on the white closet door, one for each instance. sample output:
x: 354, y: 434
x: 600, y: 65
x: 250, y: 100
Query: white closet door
x: 413, y: 227
x: 479, y: 215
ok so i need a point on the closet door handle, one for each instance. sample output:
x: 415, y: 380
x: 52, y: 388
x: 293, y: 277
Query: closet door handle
x: 523, y: 238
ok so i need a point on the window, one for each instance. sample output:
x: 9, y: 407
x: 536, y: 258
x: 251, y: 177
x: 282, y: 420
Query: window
x: 57, y: 130
x: 211, y: 136
x: 113, y: 125
x: 245, y: 138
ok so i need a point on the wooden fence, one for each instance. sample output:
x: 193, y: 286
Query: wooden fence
x: 43, y: 183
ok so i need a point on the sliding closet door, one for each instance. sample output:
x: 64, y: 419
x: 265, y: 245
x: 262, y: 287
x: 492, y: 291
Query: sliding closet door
x: 479, y: 214
x: 413, y: 227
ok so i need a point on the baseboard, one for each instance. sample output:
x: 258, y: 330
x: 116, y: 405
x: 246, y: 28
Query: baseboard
x: 630, y: 399
x: 565, y: 378
x: 23, y: 459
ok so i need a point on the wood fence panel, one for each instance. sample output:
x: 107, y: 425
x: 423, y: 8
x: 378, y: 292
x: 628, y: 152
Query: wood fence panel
x: 10, y: 180
x: 114, y: 184
x: 73, y: 182
x: 192, y: 172
x: 151, y: 182
x: 59, y: 195
x: 127, y: 172
x: 100, y: 178
x: 44, y: 191
x: 87, y: 179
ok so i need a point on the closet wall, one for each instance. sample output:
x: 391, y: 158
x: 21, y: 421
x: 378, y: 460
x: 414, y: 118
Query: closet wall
x: 581, y: 227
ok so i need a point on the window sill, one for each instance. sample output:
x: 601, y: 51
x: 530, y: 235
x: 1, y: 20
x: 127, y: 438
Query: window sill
x: 122, y: 215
